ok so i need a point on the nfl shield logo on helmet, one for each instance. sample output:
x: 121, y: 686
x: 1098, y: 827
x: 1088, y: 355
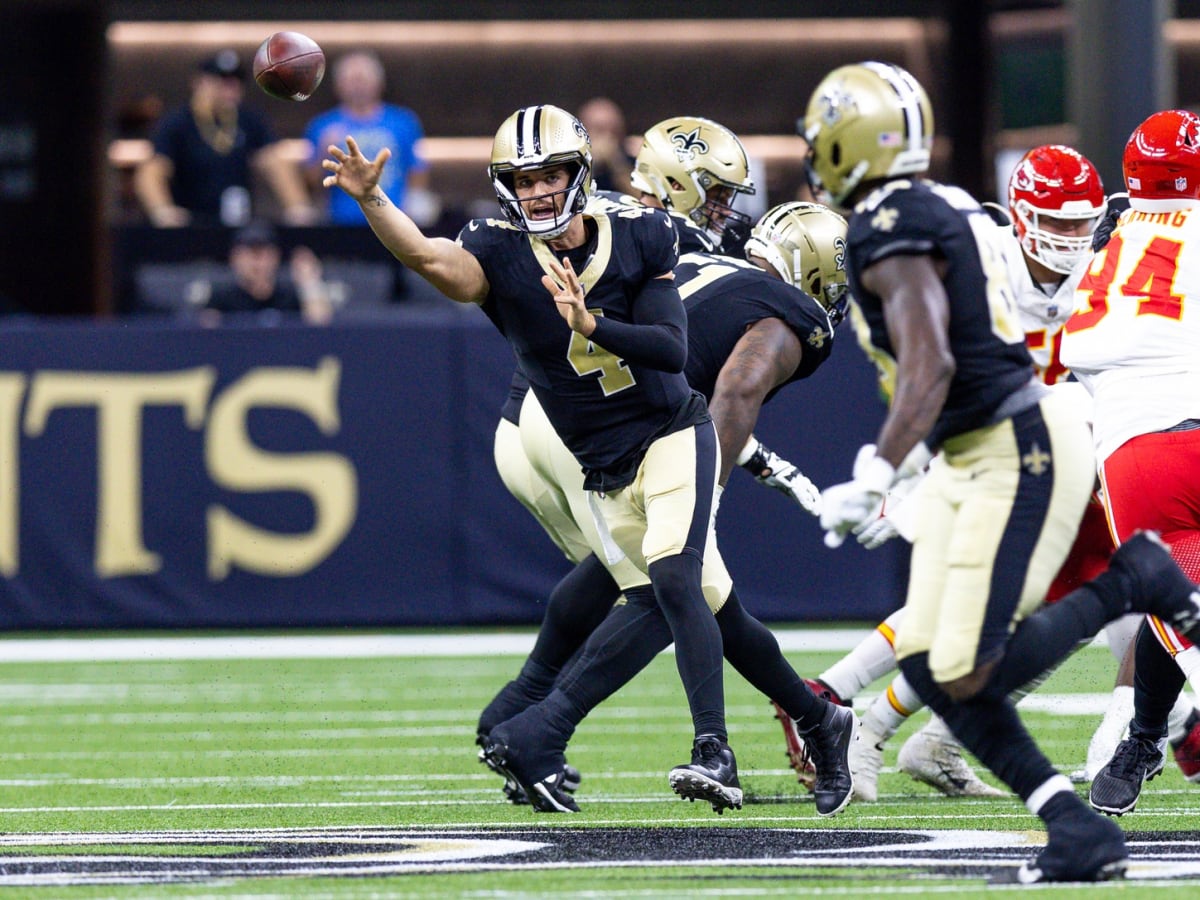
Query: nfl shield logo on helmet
x: 1181, y: 183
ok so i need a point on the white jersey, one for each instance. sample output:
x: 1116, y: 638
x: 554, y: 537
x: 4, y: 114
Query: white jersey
x: 1043, y: 313
x: 1134, y: 338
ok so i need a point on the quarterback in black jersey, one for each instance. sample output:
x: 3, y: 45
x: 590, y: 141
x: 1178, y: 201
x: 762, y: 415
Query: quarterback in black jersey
x: 936, y: 312
x: 589, y: 306
x: 752, y: 329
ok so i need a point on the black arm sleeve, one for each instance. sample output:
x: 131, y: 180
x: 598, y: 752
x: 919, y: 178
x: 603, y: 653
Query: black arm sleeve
x: 657, y: 338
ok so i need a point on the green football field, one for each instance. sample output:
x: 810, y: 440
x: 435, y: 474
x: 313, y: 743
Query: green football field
x: 344, y: 766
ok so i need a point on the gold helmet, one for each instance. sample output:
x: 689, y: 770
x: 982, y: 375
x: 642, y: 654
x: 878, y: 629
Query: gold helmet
x: 533, y: 138
x: 695, y: 167
x: 805, y: 245
x: 865, y: 121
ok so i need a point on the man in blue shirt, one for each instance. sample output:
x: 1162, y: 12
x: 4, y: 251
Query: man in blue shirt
x: 358, y: 81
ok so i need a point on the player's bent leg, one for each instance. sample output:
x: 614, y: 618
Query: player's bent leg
x: 872, y: 658
x: 1139, y: 758
x: 1081, y: 846
x: 1113, y: 729
x: 883, y: 718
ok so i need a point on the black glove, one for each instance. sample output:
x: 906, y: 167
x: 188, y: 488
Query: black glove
x: 1117, y: 204
x: 734, y: 237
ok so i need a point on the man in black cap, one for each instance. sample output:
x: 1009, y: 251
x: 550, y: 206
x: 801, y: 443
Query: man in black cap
x: 205, y: 151
x: 259, y: 288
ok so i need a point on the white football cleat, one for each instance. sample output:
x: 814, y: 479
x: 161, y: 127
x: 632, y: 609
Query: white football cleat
x: 866, y: 759
x: 934, y: 756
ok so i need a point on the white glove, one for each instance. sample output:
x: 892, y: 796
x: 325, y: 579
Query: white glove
x: 771, y: 469
x: 877, y: 533
x: 853, y: 504
x: 895, y: 513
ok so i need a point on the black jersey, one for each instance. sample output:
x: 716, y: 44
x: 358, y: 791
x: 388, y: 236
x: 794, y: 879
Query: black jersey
x: 692, y: 238
x: 606, y: 410
x: 986, y: 338
x: 725, y: 296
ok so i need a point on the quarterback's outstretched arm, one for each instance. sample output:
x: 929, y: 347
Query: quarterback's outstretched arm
x: 441, y: 262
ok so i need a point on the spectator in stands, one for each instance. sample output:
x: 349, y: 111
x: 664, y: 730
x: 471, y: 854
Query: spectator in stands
x: 206, y: 151
x: 611, y: 160
x: 359, y: 81
x: 259, y: 287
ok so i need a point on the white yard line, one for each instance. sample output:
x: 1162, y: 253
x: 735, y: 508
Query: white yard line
x: 433, y: 644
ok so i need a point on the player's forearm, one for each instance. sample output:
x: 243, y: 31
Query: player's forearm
x: 441, y: 262
x: 734, y: 419
x: 657, y: 338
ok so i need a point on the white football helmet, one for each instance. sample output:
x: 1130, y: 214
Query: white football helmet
x: 533, y: 138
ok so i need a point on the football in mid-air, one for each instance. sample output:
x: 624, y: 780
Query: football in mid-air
x: 289, y: 65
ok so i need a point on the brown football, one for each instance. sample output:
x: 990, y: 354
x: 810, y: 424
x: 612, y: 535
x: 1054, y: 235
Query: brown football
x: 289, y: 65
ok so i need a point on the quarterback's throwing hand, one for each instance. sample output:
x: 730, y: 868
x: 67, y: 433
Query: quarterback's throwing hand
x: 353, y: 172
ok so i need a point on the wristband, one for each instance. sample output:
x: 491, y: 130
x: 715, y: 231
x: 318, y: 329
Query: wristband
x: 748, y: 451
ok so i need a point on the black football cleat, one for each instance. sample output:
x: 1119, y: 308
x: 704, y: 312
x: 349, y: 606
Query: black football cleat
x: 829, y: 748
x: 540, y: 775
x: 1161, y: 587
x: 1083, y: 849
x: 513, y: 792
x: 711, y: 775
x: 1116, y: 787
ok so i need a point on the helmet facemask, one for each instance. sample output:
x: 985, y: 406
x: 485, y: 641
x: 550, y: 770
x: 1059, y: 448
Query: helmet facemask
x: 716, y: 212
x: 805, y: 245
x: 1058, y: 183
x: 573, y: 199
x: 695, y: 167
x: 533, y: 139
x: 1057, y: 252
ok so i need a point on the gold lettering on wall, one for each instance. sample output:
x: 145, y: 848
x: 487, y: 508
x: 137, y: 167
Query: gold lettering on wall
x: 12, y: 389
x: 235, y: 463
x: 119, y: 400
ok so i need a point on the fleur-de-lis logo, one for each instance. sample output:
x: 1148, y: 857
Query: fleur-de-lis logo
x: 1036, y: 461
x: 688, y: 145
x: 885, y: 218
x: 835, y: 103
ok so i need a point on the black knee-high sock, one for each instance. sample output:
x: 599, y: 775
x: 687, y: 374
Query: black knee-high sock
x: 1053, y: 632
x: 698, y: 653
x: 577, y: 606
x: 752, y: 649
x: 1157, y: 681
x: 988, y: 726
x: 621, y: 646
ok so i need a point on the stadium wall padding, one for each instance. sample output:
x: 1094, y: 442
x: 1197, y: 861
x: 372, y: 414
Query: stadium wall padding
x: 161, y: 475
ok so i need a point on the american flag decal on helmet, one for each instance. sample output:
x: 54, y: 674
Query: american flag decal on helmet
x: 909, y: 93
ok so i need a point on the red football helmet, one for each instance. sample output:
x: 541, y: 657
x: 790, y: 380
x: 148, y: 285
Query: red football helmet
x: 1162, y: 157
x: 1060, y: 183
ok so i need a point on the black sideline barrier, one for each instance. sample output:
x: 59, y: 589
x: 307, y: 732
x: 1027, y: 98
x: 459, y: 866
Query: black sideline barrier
x: 159, y: 475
